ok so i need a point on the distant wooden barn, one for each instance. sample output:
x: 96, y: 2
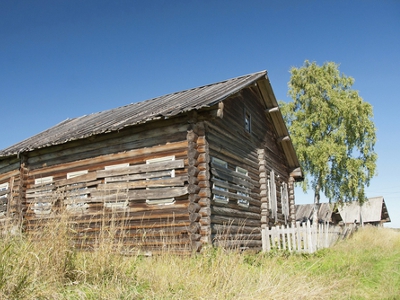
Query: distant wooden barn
x: 327, y: 213
x: 209, y: 165
x: 372, y: 212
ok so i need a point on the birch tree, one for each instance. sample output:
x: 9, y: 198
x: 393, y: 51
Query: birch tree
x: 332, y: 130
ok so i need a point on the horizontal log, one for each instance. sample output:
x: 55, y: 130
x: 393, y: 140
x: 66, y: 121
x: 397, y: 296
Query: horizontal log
x: 234, y: 213
x: 91, y: 176
x: 205, y: 212
x: 224, y: 220
x: 205, y: 193
x: 194, y: 227
x: 193, y: 207
x: 192, y: 171
x: 204, y: 202
x: 205, y: 221
x: 193, y: 198
x: 238, y: 243
x: 193, y: 189
x: 191, y: 136
x: 142, y: 168
x: 218, y: 228
x: 194, y: 217
x: 203, y: 175
x: 163, y: 182
x: 203, y: 158
x: 196, y: 246
x: 234, y: 177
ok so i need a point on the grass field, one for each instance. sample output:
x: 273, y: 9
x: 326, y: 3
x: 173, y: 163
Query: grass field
x: 366, y: 266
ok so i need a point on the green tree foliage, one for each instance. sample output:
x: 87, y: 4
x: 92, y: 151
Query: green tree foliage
x: 332, y: 130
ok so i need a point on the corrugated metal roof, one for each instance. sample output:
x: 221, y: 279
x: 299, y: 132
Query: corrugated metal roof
x: 134, y: 113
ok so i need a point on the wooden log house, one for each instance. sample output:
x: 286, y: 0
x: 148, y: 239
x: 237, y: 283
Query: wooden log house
x: 209, y: 165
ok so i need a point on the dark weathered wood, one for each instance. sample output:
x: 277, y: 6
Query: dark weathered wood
x: 164, y: 182
x: 193, y: 207
x: 218, y: 228
x: 216, y: 219
x: 138, y: 154
x: 234, y: 213
x: 161, y: 166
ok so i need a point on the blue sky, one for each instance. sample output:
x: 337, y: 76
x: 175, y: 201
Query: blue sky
x: 63, y: 59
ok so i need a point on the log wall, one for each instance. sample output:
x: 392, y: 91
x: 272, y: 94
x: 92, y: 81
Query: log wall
x: 238, y: 220
x: 10, y: 208
x: 135, y: 182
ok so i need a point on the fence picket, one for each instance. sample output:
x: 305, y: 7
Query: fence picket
x: 302, y: 237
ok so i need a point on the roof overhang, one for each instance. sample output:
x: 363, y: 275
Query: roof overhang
x: 272, y: 109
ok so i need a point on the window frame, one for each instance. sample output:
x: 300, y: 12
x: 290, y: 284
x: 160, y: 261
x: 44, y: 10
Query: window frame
x: 162, y: 201
x: 81, y: 206
x: 247, y: 121
x: 216, y: 197
x: 4, y: 187
x: 116, y: 204
x: 39, y: 207
x: 242, y: 202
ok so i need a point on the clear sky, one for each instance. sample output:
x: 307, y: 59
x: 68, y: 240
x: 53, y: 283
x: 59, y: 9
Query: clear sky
x: 61, y: 59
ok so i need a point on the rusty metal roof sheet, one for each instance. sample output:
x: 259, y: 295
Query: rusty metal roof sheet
x: 134, y: 113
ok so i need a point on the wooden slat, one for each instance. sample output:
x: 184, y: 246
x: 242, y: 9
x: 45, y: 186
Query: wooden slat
x: 161, y: 166
x: 156, y: 193
x: 165, y: 182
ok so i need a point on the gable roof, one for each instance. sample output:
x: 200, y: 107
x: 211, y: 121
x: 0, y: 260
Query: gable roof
x: 373, y: 210
x: 158, y: 108
x: 306, y: 211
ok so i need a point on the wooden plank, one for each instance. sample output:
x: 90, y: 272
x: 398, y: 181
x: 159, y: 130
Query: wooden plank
x: 164, y: 182
x: 161, y: 166
x: 104, y: 159
x: 229, y: 212
x: 91, y: 176
x: 125, y: 178
x: 156, y: 193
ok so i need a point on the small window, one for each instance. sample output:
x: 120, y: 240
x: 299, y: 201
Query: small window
x: 118, y: 166
x: 3, y: 198
x: 247, y: 121
x: 272, y: 196
x: 76, y: 174
x: 162, y: 201
x: 220, y: 184
x: 3, y: 187
x: 242, y: 201
x: 78, y: 194
x: 44, y: 203
x: 114, y: 205
x: 285, y: 201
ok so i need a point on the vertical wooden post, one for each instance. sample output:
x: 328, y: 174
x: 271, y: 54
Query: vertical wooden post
x: 202, y: 200
x: 292, y: 208
x: 263, y: 179
x: 194, y: 207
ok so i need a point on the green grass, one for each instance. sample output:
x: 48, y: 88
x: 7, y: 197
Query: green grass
x: 366, y: 266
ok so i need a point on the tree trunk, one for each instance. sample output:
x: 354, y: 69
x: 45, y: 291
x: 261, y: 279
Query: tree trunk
x: 316, y: 206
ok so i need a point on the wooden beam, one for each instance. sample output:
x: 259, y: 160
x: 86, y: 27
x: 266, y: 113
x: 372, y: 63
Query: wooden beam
x: 273, y: 109
x: 296, y: 173
x: 283, y: 139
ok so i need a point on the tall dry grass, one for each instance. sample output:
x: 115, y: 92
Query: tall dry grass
x: 45, y: 265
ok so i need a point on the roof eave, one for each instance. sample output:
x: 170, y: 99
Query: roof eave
x: 273, y: 109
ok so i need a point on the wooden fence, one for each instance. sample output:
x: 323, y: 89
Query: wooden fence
x: 302, y: 237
